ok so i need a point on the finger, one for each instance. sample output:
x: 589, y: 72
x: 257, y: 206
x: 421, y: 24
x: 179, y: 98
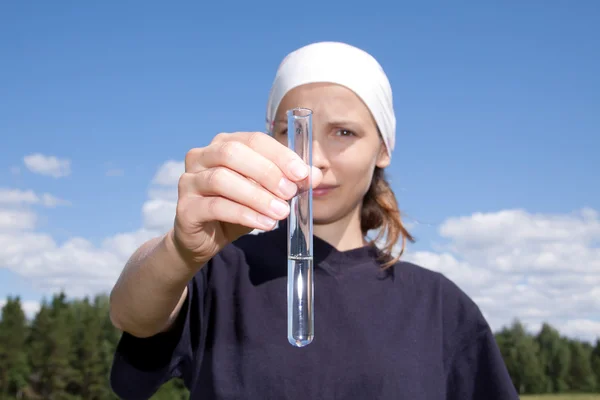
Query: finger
x: 317, y: 176
x: 205, y: 209
x: 193, y: 160
x: 226, y: 183
x: 286, y: 159
x: 240, y: 158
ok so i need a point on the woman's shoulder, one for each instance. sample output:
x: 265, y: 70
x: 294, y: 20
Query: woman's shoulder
x: 460, y: 315
x: 471, y: 353
x: 422, y: 275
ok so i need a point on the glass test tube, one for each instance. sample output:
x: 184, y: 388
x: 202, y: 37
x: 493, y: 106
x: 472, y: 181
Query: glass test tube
x: 300, y: 287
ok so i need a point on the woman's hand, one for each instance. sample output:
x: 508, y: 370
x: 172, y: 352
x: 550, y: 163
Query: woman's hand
x: 239, y: 182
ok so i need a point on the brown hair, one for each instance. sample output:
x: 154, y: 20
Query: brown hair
x: 380, y: 211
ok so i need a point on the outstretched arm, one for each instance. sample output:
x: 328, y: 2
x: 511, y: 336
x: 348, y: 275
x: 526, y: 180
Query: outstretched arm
x: 151, y: 288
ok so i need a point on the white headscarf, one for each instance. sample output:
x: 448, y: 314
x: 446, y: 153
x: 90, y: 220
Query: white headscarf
x: 342, y: 64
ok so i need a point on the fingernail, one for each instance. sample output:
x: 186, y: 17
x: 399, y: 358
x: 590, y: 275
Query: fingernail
x: 286, y: 187
x: 265, y: 221
x: 279, y: 207
x: 298, y: 169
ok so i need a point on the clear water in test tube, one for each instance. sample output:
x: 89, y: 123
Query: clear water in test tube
x: 300, y: 288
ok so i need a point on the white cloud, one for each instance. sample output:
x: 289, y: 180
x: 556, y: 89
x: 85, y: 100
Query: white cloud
x: 581, y: 328
x: 159, y: 213
x: 168, y: 174
x: 49, y: 200
x: 159, y: 210
x: 15, y: 196
x: 48, y: 165
x: 19, y: 197
x: 16, y: 220
x: 537, y: 267
x: 76, y: 266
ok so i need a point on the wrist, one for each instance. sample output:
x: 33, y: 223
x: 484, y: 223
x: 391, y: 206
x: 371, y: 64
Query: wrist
x: 181, y: 254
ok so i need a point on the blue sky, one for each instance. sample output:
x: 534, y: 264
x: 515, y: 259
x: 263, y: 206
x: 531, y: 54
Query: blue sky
x: 498, y: 108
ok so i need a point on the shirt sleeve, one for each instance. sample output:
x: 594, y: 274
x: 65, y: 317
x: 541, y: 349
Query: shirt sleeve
x: 478, y: 371
x: 141, y: 365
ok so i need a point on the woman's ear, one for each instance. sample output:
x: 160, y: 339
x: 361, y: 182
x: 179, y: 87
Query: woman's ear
x: 383, y: 157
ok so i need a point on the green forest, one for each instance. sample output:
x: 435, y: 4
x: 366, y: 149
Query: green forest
x: 66, y: 351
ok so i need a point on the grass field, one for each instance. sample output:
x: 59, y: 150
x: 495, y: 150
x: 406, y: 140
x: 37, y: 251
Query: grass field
x: 563, y: 397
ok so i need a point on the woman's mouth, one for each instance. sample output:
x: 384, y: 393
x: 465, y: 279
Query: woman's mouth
x: 323, y: 190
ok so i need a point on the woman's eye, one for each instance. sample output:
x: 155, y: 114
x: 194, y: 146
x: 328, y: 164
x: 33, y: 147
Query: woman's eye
x: 344, y: 132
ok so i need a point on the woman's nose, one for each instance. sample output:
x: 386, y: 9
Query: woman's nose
x: 319, y: 156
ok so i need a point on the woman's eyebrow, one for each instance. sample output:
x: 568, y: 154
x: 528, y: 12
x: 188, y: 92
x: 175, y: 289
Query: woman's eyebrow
x: 337, y: 121
x: 342, y: 122
x: 348, y: 123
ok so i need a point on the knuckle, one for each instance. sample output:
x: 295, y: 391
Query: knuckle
x: 216, y: 177
x: 184, y: 212
x: 227, y: 150
x: 181, y: 209
x: 254, y: 138
x: 242, y: 213
x: 183, y: 183
x: 221, y: 137
x: 192, y: 157
x: 271, y: 173
x: 211, y: 206
x: 260, y: 197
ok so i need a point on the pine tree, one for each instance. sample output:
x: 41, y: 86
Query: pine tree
x: 39, y: 352
x: 581, y: 377
x: 595, y: 363
x: 555, y: 357
x: 87, y: 361
x: 14, y: 369
x: 521, y: 354
x: 50, y: 349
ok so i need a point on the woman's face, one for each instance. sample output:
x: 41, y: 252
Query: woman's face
x: 346, y: 147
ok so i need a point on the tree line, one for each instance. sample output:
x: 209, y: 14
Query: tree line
x: 66, y: 351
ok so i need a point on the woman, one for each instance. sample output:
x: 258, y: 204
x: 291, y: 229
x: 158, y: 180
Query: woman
x: 207, y: 302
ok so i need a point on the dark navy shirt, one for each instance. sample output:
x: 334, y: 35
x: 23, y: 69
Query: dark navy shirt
x: 403, y: 333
